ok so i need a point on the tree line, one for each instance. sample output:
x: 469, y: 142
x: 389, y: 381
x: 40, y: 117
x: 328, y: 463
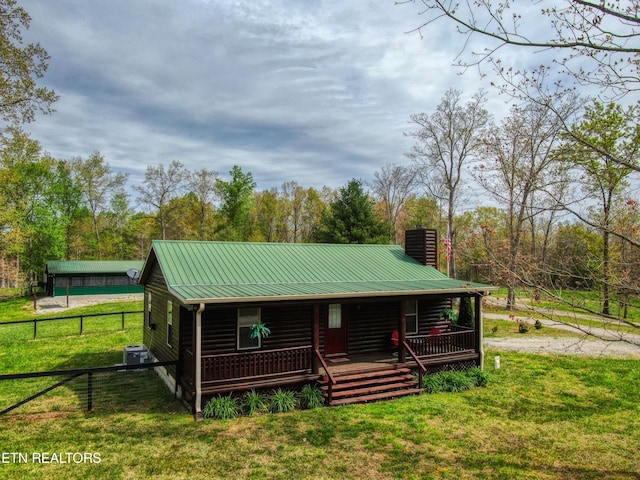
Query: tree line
x: 560, y: 171
x: 560, y: 217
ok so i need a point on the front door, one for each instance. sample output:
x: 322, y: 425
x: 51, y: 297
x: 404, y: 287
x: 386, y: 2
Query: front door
x: 335, y: 335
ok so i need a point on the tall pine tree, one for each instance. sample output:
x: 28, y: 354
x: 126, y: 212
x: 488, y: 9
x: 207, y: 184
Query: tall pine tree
x: 351, y: 218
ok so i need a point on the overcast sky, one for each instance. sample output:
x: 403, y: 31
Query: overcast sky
x: 313, y: 91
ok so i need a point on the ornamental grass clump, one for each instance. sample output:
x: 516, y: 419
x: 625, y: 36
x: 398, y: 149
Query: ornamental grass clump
x: 282, y: 401
x: 254, y: 402
x: 480, y: 377
x: 222, y: 408
x: 433, y: 383
x: 454, y: 381
x: 457, y: 381
x: 311, y: 397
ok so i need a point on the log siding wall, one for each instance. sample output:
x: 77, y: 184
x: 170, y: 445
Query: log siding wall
x: 156, y: 339
x: 369, y: 324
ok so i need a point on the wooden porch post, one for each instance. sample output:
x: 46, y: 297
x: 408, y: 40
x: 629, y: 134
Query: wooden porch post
x: 478, y: 329
x: 402, y: 333
x: 197, y: 404
x: 315, y: 338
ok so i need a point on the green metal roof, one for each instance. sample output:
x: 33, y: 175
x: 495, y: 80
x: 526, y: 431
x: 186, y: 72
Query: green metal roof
x: 91, y: 267
x: 221, y: 272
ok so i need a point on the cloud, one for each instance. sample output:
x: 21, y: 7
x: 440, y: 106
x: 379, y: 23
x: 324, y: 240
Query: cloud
x: 318, y: 92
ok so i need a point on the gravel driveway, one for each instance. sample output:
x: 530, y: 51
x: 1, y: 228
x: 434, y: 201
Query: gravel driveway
x: 565, y: 345
x: 602, y: 343
x: 48, y: 305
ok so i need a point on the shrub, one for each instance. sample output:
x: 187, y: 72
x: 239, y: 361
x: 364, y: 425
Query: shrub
x: 282, y: 401
x: 480, y: 377
x: 254, y: 402
x: 222, y: 408
x: 457, y: 381
x: 523, y: 327
x: 454, y: 381
x: 538, y: 324
x: 311, y: 397
x: 465, y: 312
x: 433, y: 383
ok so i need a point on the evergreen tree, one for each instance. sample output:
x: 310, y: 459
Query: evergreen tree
x: 351, y: 218
x: 465, y: 314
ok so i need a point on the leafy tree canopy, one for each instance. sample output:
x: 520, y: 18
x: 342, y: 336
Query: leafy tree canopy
x: 22, y: 65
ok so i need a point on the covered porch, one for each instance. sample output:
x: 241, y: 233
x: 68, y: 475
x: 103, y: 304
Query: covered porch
x: 306, y: 363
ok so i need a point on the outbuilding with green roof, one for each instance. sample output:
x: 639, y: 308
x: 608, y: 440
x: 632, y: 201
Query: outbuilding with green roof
x: 92, y: 277
x: 239, y: 316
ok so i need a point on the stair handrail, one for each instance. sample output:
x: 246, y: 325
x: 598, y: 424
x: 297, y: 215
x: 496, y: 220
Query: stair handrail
x: 332, y: 381
x: 421, y: 368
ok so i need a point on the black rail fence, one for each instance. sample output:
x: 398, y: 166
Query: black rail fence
x: 106, y: 389
x: 118, y: 318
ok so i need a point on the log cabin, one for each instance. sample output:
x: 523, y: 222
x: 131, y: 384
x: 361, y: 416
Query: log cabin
x: 355, y: 318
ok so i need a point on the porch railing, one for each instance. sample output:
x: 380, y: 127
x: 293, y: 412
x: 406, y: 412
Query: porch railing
x: 259, y: 363
x: 421, y: 368
x: 458, y: 340
x: 331, y: 381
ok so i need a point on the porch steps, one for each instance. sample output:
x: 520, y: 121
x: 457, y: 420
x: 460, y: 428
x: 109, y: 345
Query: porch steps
x: 371, y: 385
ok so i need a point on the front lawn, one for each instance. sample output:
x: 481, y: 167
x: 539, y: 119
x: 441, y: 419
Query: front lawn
x: 540, y: 417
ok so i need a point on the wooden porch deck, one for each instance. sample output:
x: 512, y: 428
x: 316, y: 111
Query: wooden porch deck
x: 364, y: 362
x: 355, y: 363
x: 272, y: 368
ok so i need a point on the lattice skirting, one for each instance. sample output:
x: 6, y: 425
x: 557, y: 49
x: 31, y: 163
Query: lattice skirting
x: 451, y: 367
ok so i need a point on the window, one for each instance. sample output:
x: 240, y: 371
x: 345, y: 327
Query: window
x: 170, y: 323
x: 411, y: 316
x: 246, y: 318
x: 335, y: 315
x: 148, y: 313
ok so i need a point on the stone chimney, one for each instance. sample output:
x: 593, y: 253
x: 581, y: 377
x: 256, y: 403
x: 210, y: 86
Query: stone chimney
x: 421, y: 244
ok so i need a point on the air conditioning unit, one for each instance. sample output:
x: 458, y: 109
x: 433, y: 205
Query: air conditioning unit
x: 135, y: 354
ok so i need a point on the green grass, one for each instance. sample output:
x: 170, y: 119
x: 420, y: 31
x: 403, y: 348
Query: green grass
x: 496, y: 328
x: 548, y: 310
x: 58, y: 345
x: 21, y: 308
x: 540, y: 417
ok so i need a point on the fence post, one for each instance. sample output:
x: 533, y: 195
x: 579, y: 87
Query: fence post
x: 89, y: 391
x: 81, y: 324
x: 35, y: 329
x: 122, y: 321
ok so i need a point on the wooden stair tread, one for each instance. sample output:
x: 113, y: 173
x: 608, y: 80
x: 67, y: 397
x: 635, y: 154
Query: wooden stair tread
x: 381, y: 368
x: 363, y: 383
x: 386, y: 387
x: 376, y: 396
x: 356, y: 376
